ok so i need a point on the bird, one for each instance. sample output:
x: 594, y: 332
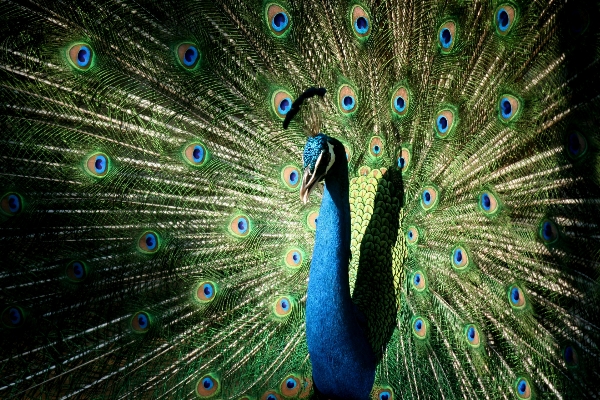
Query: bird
x: 370, y: 199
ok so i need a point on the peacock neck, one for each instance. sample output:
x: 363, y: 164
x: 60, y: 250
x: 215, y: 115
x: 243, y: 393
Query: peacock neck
x: 340, y: 353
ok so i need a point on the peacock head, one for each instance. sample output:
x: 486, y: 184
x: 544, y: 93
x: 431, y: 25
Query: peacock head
x: 318, y: 157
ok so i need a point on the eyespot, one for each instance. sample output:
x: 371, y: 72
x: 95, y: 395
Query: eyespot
x: 98, y: 165
x: 447, y: 36
x: 488, y: 203
x: 376, y: 147
x: 11, y: 204
x: 400, y: 101
x: 81, y: 56
x: 278, y: 20
x: 516, y: 297
x: 404, y: 159
x: 208, y: 386
x: 384, y: 394
x: 429, y: 198
x: 283, y: 306
x: 548, y: 231
x: 196, y: 154
x: 140, y: 322
x: 282, y: 103
x: 522, y: 388
x: 418, y: 281
x: 290, y: 386
x: 460, y: 258
x: 348, y: 153
x: 472, y: 336
x: 149, y: 242
x: 188, y: 55
x: 361, y: 23
x: 509, y: 108
x: 419, y: 327
x: 291, y: 177
x: 444, y: 123
x: 505, y: 17
x: 293, y: 258
x: 270, y: 395
x: 240, y: 226
x: 311, y: 220
x: 347, y: 100
x: 206, y: 292
x: 76, y: 271
x: 13, y: 317
x: 570, y: 356
x: 412, y: 235
x: 577, y: 145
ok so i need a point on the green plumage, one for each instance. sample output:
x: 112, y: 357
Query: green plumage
x: 152, y: 238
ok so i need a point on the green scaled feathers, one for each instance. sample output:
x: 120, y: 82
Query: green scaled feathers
x: 152, y: 239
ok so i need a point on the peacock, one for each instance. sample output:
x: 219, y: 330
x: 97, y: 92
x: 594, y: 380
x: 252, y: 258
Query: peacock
x: 299, y: 199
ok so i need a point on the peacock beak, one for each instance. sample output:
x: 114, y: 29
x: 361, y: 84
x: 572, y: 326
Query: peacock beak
x: 310, y: 179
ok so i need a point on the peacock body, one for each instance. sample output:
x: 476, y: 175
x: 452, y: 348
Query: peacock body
x: 154, y: 244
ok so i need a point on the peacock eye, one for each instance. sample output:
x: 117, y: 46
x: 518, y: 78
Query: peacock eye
x: 505, y: 17
x: 278, y: 19
x: 548, y: 231
x: 446, y: 36
x: 516, y: 297
x: 429, y: 198
x: 360, y: 22
x: 282, y: 103
x: 293, y: 258
x: 290, y: 386
x: 140, y: 322
x: 311, y: 220
x: 400, y: 101
x: 240, y: 226
x: 283, y: 306
x: 13, y: 317
x: 270, y: 395
x: 206, y: 291
x: 76, y: 271
x: 577, y: 145
x: 195, y: 154
x: 376, y: 147
x: 460, y: 258
x: 347, y: 100
x: 444, y: 123
x: 509, y: 107
x: 523, y: 388
x: 290, y: 176
x: 81, y: 56
x: 418, y: 281
x: 570, y: 356
x: 472, y: 336
x: 207, y: 386
x: 386, y: 395
x: 488, y: 203
x: 188, y: 55
x: 149, y: 242
x: 419, y: 327
x: 11, y: 204
x: 98, y: 165
x: 412, y: 235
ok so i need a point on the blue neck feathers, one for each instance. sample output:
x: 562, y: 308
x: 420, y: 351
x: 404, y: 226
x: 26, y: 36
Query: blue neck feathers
x: 342, y: 359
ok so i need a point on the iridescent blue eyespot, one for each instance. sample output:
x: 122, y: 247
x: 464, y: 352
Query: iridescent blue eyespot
x: 98, y: 164
x: 13, y: 317
x: 429, y: 197
x: 460, y: 258
x: 419, y: 327
x: 472, y: 336
x: 283, y: 306
x: 399, y: 104
x: 81, y: 56
x: 418, y: 281
x: 348, y: 103
x: 149, y: 242
x: 290, y: 176
x: 284, y: 106
x: 516, y: 297
x: 140, y: 322
x: 76, y: 271
x: 347, y: 99
x: 503, y: 21
x: 360, y: 22
x: 10, y: 204
x: 361, y: 25
x: 188, y: 55
x: 400, y: 101
x: 571, y: 357
x: 523, y: 388
x: 205, y: 291
x: 291, y: 386
x: 577, y: 145
x: 207, y: 387
x: 376, y: 146
x: 505, y: 17
x: 196, y: 154
x: 278, y: 20
x: 282, y: 103
x: 240, y: 226
x: 442, y: 124
x: 509, y: 107
x: 445, y: 38
x: 412, y: 235
x: 548, y: 232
